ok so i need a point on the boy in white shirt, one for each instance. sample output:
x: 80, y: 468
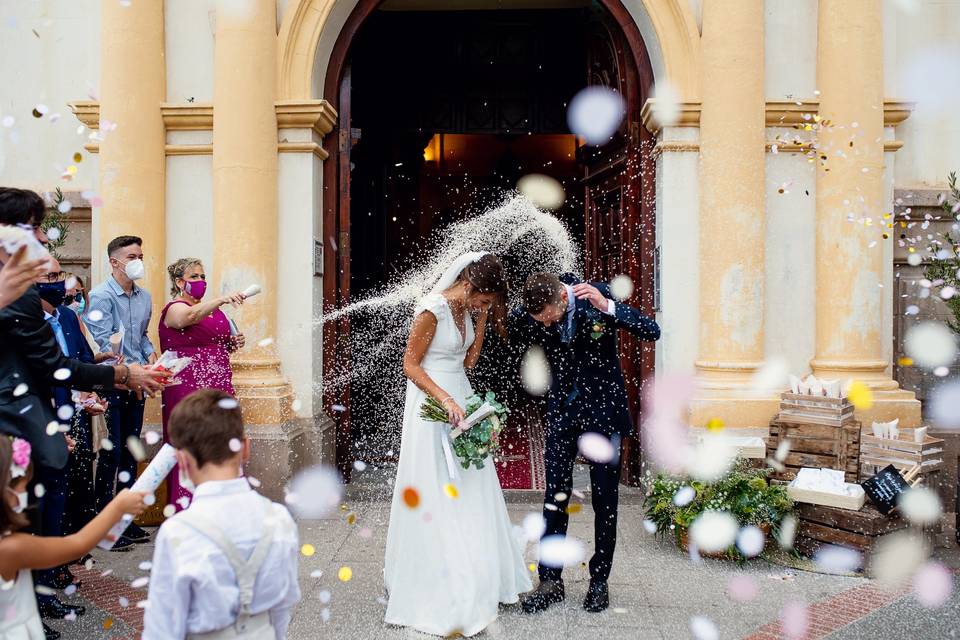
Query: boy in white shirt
x: 227, y: 566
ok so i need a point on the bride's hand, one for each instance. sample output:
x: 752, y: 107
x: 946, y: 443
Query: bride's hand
x: 454, y: 411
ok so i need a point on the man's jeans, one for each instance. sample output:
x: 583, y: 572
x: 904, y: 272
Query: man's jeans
x: 124, y: 419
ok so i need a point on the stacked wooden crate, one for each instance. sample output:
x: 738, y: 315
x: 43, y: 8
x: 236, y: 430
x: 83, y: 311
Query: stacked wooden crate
x: 822, y: 433
x: 859, y: 530
x: 903, y: 452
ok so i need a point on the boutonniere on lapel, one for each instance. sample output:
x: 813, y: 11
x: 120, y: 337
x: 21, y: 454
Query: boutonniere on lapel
x: 596, y: 323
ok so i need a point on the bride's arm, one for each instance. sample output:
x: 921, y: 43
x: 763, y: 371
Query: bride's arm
x: 473, y: 353
x: 421, y: 335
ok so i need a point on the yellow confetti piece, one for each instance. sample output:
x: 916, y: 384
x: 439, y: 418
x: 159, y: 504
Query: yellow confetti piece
x: 905, y: 362
x: 345, y: 574
x: 574, y: 508
x: 532, y: 567
x: 886, y: 216
x: 108, y: 623
x: 72, y: 170
x: 860, y: 395
x: 451, y: 491
x: 911, y: 250
x: 351, y: 518
x: 78, y: 157
x: 308, y: 550
x: 411, y: 498
x: 714, y: 425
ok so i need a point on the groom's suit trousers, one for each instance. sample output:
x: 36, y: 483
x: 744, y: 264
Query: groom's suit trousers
x: 563, y: 431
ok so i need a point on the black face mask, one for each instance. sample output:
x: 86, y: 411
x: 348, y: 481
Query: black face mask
x: 68, y: 300
x: 52, y: 292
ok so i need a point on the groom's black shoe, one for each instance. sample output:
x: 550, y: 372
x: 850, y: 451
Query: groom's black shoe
x: 548, y: 592
x: 598, y: 597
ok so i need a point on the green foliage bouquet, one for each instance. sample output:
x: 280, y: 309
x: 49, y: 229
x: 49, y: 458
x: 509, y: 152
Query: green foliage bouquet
x: 744, y: 493
x: 478, y: 436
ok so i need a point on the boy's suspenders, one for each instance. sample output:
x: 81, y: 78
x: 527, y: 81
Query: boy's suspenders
x: 245, y: 570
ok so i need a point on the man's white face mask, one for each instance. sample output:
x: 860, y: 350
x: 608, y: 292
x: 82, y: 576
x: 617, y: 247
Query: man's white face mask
x: 134, y: 269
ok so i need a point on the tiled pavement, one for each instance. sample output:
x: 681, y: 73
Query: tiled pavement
x: 655, y: 591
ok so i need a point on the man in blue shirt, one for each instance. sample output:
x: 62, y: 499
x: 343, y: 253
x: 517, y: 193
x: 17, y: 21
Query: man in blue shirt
x: 119, y: 306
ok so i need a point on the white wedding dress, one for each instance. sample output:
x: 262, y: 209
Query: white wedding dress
x: 450, y: 561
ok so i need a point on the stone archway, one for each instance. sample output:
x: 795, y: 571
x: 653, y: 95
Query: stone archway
x: 314, y: 40
x: 668, y: 28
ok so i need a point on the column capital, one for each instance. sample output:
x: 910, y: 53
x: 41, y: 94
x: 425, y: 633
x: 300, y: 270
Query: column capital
x: 778, y: 113
x: 318, y: 115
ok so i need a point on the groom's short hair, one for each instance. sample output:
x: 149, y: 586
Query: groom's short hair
x: 540, y: 290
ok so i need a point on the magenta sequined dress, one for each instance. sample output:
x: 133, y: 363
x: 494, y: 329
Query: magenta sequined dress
x: 206, y: 342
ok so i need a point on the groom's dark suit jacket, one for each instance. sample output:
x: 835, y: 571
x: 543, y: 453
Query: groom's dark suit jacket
x: 586, y: 370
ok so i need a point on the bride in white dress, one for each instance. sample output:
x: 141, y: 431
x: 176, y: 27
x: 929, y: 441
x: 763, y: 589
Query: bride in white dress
x: 451, y: 555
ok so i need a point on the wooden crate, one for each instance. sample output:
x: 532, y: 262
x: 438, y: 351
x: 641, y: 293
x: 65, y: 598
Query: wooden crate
x: 817, y: 445
x: 859, y: 530
x: 903, y: 453
x: 807, y: 409
x: 810, y: 496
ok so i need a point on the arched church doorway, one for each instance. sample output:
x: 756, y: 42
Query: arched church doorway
x: 441, y: 111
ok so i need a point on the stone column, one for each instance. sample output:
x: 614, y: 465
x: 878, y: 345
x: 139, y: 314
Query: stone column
x: 850, y: 206
x: 132, y: 155
x: 245, y: 218
x: 732, y: 157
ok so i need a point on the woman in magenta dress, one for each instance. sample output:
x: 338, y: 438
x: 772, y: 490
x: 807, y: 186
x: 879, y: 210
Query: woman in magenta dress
x: 196, y: 328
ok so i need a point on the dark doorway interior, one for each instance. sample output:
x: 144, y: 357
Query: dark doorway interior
x: 441, y: 112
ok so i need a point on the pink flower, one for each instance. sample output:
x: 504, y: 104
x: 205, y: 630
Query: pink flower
x: 21, y: 452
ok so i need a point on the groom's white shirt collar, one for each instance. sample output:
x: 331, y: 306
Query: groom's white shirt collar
x: 571, y: 305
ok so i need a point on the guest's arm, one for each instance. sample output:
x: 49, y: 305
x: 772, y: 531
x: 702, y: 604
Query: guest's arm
x: 32, y: 336
x: 99, y: 320
x: 181, y: 316
x: 146, y: 347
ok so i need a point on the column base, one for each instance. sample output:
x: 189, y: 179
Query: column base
x: 274, y: 455
x: 276, y: 437
x: 889, y: 405
x: 264, y: 394
x: 735, y: 408
x: 889, y: 400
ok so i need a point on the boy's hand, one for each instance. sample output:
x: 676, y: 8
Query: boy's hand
x: 131, y: 502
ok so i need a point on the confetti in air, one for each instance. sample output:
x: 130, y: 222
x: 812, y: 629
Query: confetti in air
x: 314, y: 492
x: 621, y: 287
x: 561, y: 551
x: 595, y: 114
x: 543, y: 191
x: 411, y: 498
x: 931, y: 344
x: 713, y: 531
x: 535, y: 371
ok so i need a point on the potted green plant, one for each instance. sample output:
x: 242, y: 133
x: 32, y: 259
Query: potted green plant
x: 744, y: 492
x: 944, y: 266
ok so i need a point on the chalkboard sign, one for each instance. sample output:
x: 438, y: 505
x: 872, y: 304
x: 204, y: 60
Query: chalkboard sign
x: 884, y: 489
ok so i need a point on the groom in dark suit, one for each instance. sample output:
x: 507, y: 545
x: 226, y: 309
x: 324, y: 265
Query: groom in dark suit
x: 576, y: 323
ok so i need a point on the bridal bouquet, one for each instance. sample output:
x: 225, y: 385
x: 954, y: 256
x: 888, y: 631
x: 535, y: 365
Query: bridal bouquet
x: 477, y: 437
